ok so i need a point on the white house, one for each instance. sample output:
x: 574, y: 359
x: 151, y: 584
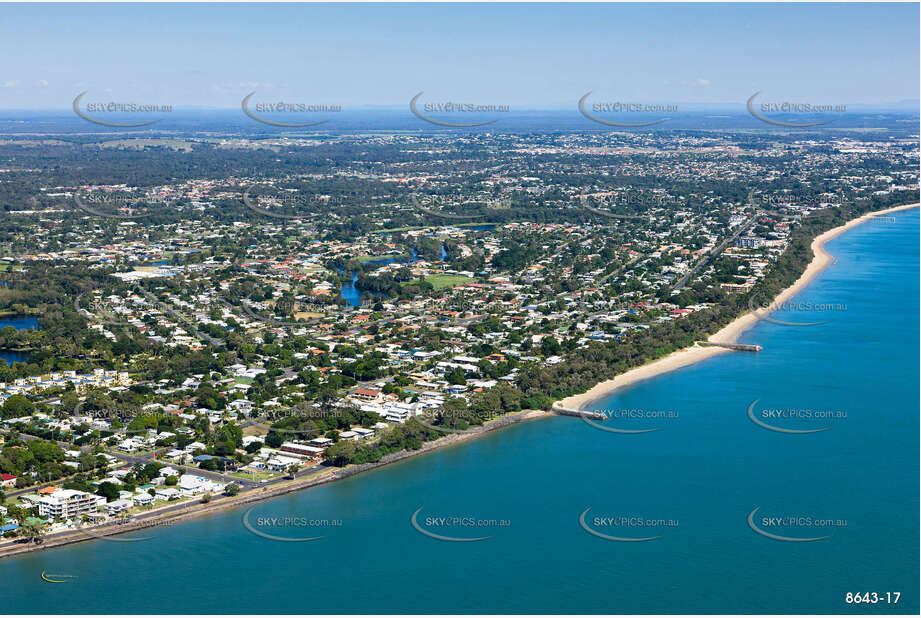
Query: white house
x: 195, y: 446
x: 177, y: 455
x: 399, y: 412
x: 168, y: 493
x: 279, y: 463
x: 142, y: 499
x: 117, y: 506
x: 190, y: 484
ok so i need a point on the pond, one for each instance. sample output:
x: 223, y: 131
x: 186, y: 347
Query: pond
x: 11, y: 356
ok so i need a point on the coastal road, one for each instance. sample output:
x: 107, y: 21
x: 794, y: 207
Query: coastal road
x: 209, y: 474
x: 160, y: 512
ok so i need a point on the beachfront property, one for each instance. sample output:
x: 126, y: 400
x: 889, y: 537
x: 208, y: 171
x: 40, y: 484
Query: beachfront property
x: 276, y: 462
x: 67, y: 503
x: 167, y: 494
x: 456, y: 311
x: 192, y: 485
x: 302, y: 450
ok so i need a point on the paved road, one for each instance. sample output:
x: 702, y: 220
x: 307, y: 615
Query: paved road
x: 211, y: 474
x: 176, y: 316
x: 214, y: 476
x: 746, y: 225
x: 185, y: 504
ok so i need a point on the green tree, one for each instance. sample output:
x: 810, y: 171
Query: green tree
x: 341, y: 453
x: 109, y: 490
x: 457, y: 376
x: 273, y: 440
x: 46, y: 451
x: 550, y: 346
x: 32, y: 529
x: 16, y: 406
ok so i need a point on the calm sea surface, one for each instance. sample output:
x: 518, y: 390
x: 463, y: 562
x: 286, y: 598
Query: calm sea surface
x: 692, y: 484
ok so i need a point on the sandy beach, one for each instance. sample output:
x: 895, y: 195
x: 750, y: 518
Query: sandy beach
x: 168, y: 515
x: 728, y: 334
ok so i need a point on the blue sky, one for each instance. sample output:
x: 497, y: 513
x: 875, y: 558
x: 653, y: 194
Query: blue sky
x: 536, y: 55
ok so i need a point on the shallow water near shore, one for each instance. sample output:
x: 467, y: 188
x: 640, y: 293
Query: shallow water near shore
x: 705, y: 469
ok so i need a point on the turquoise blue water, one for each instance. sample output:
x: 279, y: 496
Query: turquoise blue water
x: 707, y: 469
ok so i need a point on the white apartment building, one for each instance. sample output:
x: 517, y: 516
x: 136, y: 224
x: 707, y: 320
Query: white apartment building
x: 66, y: 503
x: 399, y: 412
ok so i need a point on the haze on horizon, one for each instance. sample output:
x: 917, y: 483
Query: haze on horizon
x: 539, y: 56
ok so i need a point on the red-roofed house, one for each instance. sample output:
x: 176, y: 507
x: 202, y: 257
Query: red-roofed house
x: 366, y: 394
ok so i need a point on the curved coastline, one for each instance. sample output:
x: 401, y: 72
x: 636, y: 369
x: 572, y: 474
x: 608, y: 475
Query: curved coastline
x: 728, y: 334
x: 169, y: 515
x: 675, y: 360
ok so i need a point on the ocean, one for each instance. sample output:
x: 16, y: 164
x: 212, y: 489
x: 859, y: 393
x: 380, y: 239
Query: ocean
x: 691, y: 487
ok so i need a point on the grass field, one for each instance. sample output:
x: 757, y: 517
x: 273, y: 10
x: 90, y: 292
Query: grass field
x: 307, y: 315
x: 440, y: 282
x: 255, y: 430
x: 372, y: 258
x: 400, y: 229
x: 248, y: 476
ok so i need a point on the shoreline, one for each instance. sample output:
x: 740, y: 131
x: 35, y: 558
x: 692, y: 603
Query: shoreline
x: 167, y: 516
x: 728, y: 334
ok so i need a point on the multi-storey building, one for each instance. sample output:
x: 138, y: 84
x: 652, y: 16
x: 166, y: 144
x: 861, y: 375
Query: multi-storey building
x: 66, y: 503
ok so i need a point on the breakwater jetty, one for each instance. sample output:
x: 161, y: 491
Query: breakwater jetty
x: 596, y: 416
x: 744, y: 347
